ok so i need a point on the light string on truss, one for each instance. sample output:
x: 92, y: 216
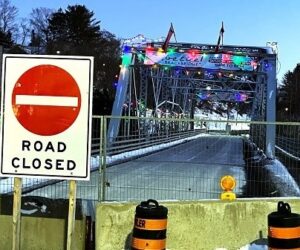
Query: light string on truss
x: 141, y: 45
x: 206, y: 73
x: 139, y: 39
x: 192, y: 54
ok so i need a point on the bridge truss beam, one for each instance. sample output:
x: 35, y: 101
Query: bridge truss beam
x: 172, y: 83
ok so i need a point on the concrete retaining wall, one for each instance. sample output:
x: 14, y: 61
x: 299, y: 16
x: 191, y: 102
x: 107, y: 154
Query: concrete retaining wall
x: 193, y: 225
x: 41, y: 233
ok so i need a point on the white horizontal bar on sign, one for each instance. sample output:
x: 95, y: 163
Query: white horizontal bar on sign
x: 44, y: 100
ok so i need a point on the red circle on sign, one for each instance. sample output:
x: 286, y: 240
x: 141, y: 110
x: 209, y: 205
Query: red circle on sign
x: 46, y: 100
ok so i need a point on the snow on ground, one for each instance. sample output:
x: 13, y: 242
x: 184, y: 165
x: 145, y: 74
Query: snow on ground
x: 286, y: 185
x: 241, y: 121
x: 249, y: 247
x: 254, y: 247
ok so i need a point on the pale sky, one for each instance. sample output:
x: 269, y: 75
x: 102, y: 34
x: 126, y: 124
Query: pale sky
x: 246, y: 22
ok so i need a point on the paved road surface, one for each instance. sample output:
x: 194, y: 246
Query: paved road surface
x: 191, y: 170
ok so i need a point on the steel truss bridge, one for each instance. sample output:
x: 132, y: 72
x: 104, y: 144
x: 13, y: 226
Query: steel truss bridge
x: 176, y: 80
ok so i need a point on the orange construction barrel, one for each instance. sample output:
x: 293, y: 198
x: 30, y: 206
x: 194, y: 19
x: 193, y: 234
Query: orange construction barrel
x: 283, y: 228
x: 150, y: 226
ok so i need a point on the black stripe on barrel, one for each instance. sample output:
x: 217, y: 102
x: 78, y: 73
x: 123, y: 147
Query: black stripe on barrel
x: 283, y: 228
x: 150, y: 226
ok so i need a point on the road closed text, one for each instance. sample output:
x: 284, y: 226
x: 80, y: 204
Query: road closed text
x: 50, y: 163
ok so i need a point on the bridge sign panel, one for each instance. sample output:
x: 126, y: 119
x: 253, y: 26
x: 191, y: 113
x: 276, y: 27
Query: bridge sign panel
x: 46, y: 121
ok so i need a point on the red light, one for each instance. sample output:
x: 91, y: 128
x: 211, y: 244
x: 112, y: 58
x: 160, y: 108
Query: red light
x: 149, y: 49
x: 193, y: 53
x: 226, y: 58
x: 254, y: 64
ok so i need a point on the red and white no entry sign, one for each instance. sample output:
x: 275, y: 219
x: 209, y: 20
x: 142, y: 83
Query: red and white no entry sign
x: 46, y: 100
x: 46, y: 108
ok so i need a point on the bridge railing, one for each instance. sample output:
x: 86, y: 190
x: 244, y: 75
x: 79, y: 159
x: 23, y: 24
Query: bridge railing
x: 138, y: 137
x: 137, y: 133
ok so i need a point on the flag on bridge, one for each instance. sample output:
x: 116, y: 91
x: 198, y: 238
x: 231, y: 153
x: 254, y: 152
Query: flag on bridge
x: 168, y: 38
x: 220, y: 38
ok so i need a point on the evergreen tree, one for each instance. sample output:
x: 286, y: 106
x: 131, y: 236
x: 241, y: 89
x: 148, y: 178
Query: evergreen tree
x: 75, y: 31
x: 5, y: 39
x: 288, y: 96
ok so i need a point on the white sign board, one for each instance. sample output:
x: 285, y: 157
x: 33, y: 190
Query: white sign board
x: 46, y: 116
x: 205, y: 61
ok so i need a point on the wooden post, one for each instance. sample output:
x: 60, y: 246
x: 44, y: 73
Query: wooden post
x: 71, y: 216
x: 17, y: 214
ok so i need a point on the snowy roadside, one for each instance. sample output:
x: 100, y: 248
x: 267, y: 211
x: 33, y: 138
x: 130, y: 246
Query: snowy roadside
x: 249, y: 247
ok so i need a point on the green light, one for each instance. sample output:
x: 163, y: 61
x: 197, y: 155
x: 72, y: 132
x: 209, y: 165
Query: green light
x: 126, y: 58
x: 238, y: 60
x: 141, y: 57
x: 171, y: 50
x: 141, y: 105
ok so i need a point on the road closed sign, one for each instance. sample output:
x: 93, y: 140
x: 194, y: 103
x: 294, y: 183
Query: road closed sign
x: 46, y: 116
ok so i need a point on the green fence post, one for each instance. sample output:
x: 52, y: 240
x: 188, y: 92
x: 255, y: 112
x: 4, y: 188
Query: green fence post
x: 102, y: 168
x: 102, y: 159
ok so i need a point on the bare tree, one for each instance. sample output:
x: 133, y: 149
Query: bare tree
x: 8, y: 14
x: 24, y: 31
x: 39, y: 21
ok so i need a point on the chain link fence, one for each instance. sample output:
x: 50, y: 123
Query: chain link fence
x: 180, y: 159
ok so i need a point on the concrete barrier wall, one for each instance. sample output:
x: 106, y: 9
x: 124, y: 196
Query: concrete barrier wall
x: 41, y: 233
x: 193, y: 225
